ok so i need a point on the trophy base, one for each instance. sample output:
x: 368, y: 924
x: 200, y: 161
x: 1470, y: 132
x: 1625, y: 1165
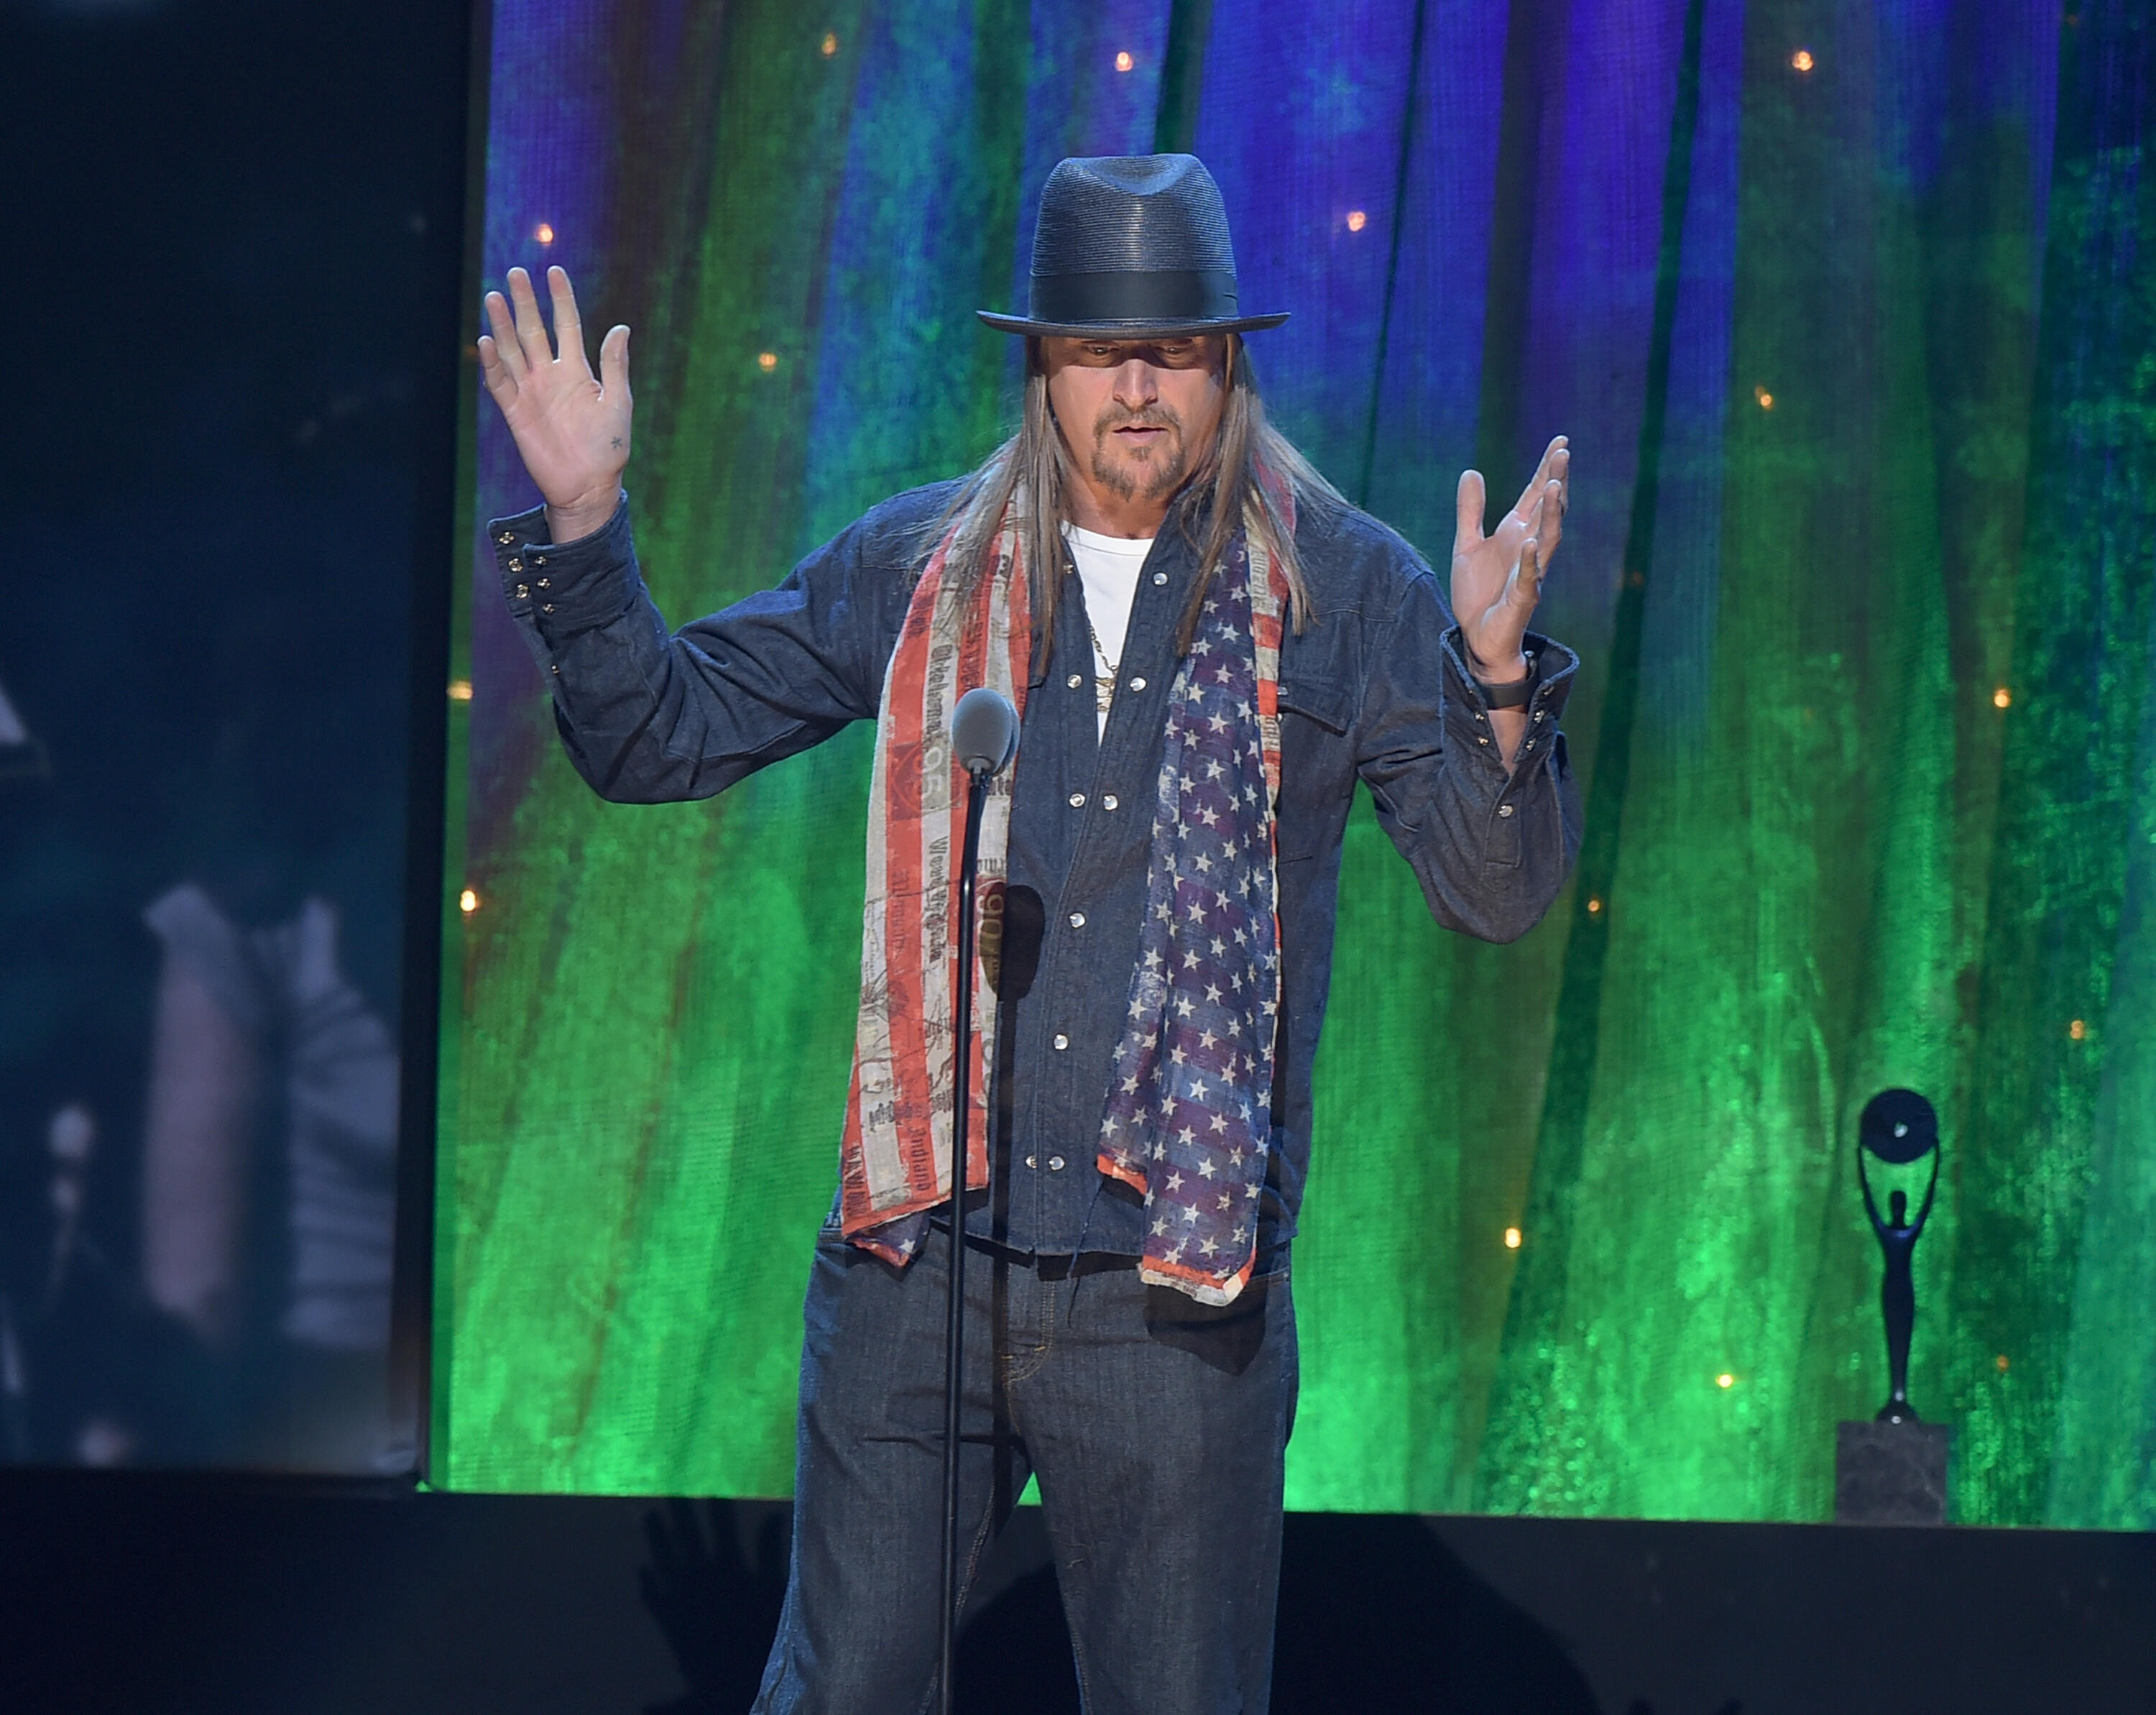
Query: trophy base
x: 1890, y: 1473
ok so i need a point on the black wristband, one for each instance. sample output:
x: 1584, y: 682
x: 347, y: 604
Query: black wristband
x: 1515, y: 695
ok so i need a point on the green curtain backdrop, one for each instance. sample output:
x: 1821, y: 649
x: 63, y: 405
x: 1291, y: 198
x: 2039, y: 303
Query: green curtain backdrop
x: 1844, y: 308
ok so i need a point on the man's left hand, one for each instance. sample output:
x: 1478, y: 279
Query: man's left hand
x: 1497, y: 579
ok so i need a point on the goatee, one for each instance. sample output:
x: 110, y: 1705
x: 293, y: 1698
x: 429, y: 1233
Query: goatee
x: 1118, y: 479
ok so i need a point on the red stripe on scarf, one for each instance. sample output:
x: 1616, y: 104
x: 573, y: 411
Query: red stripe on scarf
x: 905, y: 866
x: 945, y: 646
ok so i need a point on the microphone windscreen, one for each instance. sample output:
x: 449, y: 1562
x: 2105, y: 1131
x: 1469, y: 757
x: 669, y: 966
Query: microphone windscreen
x: 984, y: 732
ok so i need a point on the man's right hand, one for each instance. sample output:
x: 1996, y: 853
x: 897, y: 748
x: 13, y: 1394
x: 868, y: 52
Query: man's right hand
x: 572, y: 428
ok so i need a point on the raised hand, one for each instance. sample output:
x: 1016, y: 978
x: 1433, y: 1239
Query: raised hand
x: 1497, y: 579
x: 571, y: 428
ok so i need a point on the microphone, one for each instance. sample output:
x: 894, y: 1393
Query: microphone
x: 984, y: 738
x: 984, y: 732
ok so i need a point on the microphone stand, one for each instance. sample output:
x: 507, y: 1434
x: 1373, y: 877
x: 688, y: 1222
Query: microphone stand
x: 977, y: 792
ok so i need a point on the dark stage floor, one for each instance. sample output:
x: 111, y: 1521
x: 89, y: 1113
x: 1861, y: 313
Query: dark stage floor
x: 166, y: 1596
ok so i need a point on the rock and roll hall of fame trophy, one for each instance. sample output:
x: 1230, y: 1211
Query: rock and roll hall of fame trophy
x: 1892, y: 1469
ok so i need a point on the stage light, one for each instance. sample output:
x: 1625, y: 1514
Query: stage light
x: 1511, y: 1238
x: 766, y: 361
x: 543, y: 233
x: 2001, y: 698
x: 829, y: 45
x: 460, y: 691
x: 1765, y: 398
x: 1356, y: 220
x: 468, y: 901
x: 1801, y: 60
x: 1124, y: 62
x: 1725, y: 1380
x: 2078, y: 1030
x: 1594, y: 907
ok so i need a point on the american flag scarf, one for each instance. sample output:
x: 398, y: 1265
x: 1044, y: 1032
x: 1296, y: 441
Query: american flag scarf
x: 1189, y: 1112
x: 1188, y: 1123
x: 894, y: 1157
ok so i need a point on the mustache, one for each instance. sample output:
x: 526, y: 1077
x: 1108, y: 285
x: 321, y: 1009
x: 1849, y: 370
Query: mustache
x: 1154, y: 416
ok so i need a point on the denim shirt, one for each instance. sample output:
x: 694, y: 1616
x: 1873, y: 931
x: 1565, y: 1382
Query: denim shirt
x: 1373, y: 688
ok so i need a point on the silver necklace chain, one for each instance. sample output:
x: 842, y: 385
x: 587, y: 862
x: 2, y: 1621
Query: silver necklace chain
x: 1104, y: 679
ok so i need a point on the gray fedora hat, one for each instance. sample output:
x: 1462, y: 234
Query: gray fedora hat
x: 1131, y: 247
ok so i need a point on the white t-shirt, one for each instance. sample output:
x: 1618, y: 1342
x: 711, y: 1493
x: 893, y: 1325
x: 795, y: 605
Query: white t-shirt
x: 1109, y: 566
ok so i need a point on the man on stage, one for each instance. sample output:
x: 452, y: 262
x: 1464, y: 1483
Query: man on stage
x: 1209, y: 647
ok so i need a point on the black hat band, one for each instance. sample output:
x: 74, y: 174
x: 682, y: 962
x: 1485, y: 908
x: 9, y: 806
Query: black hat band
x: 1179, y: 294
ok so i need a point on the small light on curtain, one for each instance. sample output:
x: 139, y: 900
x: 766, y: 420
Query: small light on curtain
x: 830, y: 46
x: 460, y: 691
x: 1356, y: 220
x: 1124, y: 62
x: 2001, y: 698
x: 468, y: 901
x: 544, y: 233
x: 1765, y: 398
x: 1801, y: 60
x: 2078, y: 1030
x: 1511, y: 1238
x: 1725, y: 1380
x: 766, y: 361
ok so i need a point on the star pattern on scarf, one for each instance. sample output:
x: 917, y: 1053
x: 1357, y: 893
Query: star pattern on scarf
x: 1189, y: 1117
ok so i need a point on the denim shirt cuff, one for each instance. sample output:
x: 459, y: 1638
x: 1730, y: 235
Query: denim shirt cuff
x: 1467, y: 715
x: 562, y: 589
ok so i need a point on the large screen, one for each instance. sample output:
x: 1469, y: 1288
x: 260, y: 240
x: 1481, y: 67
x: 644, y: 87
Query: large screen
x: 1839, y: 310
x: 225, y: 572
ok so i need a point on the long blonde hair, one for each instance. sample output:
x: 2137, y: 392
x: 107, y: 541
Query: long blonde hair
x: 1034, y: 463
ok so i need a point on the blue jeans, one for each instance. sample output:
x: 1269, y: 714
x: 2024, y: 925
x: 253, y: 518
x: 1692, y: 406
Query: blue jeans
x: 1155, y: 1426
